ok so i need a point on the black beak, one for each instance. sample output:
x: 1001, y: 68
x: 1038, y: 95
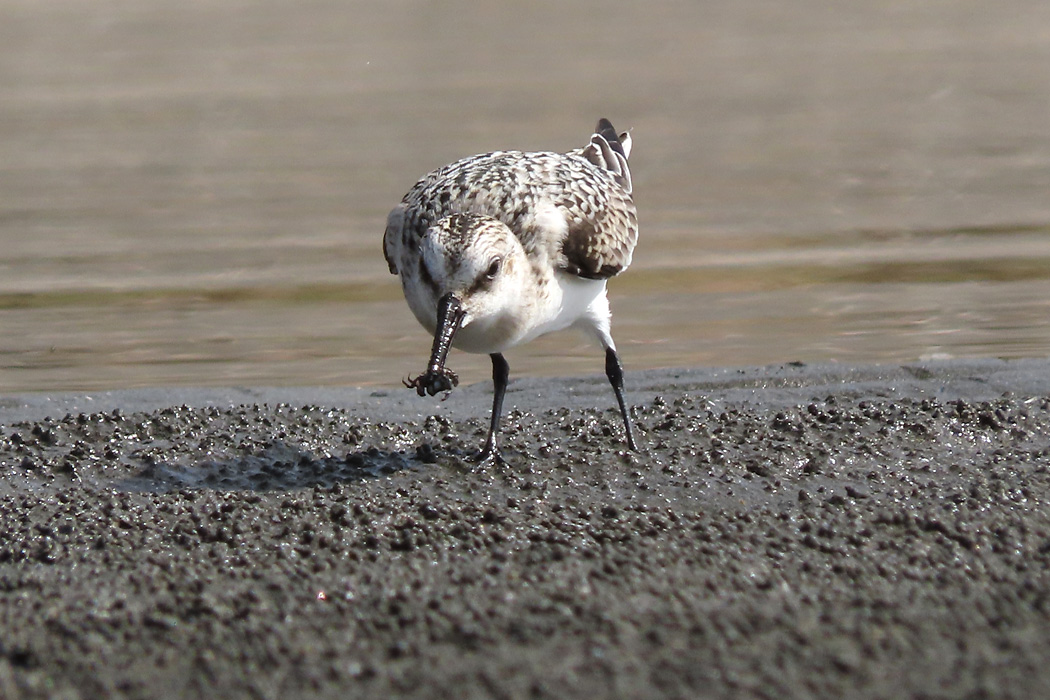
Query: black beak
x: 437, y: 378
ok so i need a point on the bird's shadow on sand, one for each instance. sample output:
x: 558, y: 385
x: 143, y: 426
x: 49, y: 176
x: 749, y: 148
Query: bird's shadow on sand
x: 276, y: 467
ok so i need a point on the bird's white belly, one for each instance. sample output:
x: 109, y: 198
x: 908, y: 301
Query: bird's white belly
x: 556, y: 305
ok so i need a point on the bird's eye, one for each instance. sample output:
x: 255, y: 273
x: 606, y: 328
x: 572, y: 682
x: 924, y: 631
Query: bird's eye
x: 493, y: 268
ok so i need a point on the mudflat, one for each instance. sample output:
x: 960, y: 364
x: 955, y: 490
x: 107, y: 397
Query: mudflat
x: 787, y: 531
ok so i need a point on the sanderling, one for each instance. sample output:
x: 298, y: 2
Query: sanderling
x: 500, y: 248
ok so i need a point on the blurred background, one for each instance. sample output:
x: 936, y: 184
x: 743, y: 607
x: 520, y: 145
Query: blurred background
x: 194, y: 193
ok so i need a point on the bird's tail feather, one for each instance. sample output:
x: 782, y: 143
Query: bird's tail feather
x: 610, y: 151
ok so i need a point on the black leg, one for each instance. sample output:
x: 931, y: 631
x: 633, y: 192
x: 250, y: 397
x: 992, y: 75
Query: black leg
x: 614, y: 371
x: 500, y: 376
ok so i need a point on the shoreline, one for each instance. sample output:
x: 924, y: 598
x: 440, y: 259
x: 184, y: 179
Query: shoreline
x: 789, y: 531
x: 978, y: 379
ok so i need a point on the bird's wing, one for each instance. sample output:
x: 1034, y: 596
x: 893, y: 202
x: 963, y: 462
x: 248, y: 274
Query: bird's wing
x: 602, y: 222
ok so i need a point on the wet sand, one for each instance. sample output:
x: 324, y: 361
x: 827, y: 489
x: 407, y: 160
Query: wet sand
x: 789, y: 531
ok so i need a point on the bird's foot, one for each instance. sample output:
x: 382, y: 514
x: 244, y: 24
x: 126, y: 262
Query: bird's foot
x: 489, y: 454
x: 433, y: 381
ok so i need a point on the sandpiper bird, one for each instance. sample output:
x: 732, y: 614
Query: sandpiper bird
x: 500, y: 248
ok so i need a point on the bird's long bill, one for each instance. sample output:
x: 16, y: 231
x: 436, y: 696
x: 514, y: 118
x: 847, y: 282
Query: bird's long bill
x: 449, y: 318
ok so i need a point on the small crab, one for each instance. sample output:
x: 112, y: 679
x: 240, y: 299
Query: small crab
x: 433, y: 381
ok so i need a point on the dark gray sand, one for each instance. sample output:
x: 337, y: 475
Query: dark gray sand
x: 788, y: 532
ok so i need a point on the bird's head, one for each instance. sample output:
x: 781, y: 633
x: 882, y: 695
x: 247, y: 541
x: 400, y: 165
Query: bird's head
x: 474, y: 267
x: 476, y: 262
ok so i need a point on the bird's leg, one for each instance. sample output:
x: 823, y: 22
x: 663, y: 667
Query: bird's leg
x: 614, y: 371
x: 500, y: 376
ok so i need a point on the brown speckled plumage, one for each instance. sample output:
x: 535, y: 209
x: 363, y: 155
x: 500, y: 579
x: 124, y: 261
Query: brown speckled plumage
x: 590, y: 187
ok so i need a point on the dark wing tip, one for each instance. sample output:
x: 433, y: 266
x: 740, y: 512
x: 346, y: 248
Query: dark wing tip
x: 606, y: 131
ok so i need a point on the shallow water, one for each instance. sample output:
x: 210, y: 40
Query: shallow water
x: 194, y: 194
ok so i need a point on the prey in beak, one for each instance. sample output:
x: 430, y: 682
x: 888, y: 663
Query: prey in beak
x: 438, y: 377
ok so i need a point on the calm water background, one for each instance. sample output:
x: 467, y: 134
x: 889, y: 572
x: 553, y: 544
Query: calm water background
x: 194, y: 193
